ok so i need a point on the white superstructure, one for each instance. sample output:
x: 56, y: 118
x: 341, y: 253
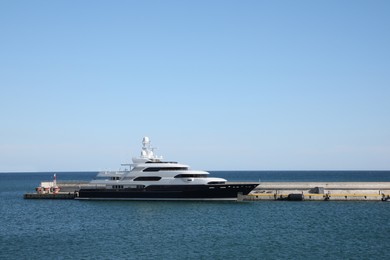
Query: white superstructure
x: 149, y: 169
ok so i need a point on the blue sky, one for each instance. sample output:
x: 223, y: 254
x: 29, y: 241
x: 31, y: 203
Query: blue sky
x: 219, y: 85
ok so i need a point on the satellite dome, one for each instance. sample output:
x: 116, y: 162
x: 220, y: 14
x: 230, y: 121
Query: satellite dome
x: 145, y: 140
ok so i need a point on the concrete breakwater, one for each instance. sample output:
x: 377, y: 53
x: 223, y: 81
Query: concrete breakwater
x: 67, y: 190
x: 50, y: 196
x: 320, y: 191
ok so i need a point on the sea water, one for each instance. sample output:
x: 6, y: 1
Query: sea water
x: 71, y: 229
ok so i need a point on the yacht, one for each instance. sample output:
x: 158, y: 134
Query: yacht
x: 149, y: 177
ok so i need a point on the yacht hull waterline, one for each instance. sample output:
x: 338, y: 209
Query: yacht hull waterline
x: 171, y: 192
x: 151, y: 178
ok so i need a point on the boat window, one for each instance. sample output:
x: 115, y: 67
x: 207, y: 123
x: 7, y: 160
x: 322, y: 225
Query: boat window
x: 191, y: 176
x: 156, y: 169
x: 216, y: 182
x: 158, y: 161
x: 148, y: 178
x: 151, y: 169
x: 117, y: 186
x: 139, y: 187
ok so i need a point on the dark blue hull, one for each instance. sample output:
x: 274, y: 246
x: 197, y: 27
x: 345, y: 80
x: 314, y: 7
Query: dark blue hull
x: 171, y: 192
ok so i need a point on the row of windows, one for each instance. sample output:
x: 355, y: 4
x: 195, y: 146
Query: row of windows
x: 223, y: 187
x: 158, y: 161
x: 191, y: 176
x: 147, y: 178
x: 128, y: 187
x: 156, y: 169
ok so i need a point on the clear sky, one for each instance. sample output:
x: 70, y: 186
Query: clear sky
x: 219, y: 85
